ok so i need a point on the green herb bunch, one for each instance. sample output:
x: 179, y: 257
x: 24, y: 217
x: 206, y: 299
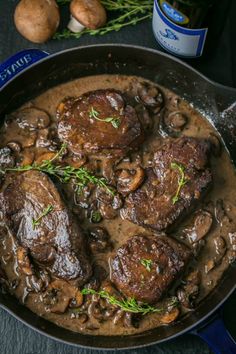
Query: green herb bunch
x: 45, y: 212
x: 130, y: 304
x: 182, y: 180
x: 115, y: 122
x: 123, y: 13
x: 147, y: 263
x: 81, y: 177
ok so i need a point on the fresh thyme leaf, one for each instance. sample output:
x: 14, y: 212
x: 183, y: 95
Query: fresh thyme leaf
x: 113, y: 120
x: 80, y: 176
x: 147, y: 263
x: 93, y: 113
x: 130, y: 304
x: 96, y: 216
x: 129, y: 12
x: 45, y: 212
x: 181, y: 180
x: 116, y: 123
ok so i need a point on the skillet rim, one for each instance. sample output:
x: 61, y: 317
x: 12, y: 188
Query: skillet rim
x: 216, y: 86
x: 122, y: 45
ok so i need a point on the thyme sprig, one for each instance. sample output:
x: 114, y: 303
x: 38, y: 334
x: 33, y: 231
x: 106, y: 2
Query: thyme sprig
x: 147, y: 263
x: 130, y: 304
x: 45, y: 212
x: 182, y: 180
x: 80, y: 176
x: 129, y: 12
x: 93, y: 114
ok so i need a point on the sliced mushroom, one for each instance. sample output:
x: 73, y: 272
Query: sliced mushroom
x: 172, y: 123
x: 99, y: 240
x: 170, y: 316
x: 95, y: 311
x: 176, y: 121
x: 34, y: 283
x: 202, y: 225
x: 128, y: 319
x: 119, y: 316
x: 188, y: 293
x: 108, y: 204
x: 32, y: 118
x: 220, y: 245
x: 129, y: 180
x: 23, y: 261
x: 150, y: 96
x: 58, y: 296
x: 86, y: 14
x: 14, y: 146
x: 37, y: 20
x: 43, y: 139
x: 117, y: 202
x: 220, y: 249
x: 45, y: 277
x: 7, y: 159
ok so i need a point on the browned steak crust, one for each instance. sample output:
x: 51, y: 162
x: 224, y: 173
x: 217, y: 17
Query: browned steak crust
x: 152, y: 204
x: 166, y: 258
x: 55, y: 242
x: 79, y: 128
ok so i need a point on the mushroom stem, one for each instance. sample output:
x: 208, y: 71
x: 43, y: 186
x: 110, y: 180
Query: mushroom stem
x: 74, y: 25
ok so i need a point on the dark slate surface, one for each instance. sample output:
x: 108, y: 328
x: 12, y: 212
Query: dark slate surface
x: 16, y: 338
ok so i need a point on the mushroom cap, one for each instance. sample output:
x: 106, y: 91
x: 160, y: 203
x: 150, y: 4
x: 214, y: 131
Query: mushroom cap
x: 89, y: 13
x: 37, y: 20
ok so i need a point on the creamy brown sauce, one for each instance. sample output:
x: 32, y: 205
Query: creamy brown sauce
x: 209, y: 256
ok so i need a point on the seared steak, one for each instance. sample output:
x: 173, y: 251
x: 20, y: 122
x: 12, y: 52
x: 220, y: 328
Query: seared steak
x: 54, y: 240
x: 99, y: 120
x: 145, y: 266
x: 156, y: 204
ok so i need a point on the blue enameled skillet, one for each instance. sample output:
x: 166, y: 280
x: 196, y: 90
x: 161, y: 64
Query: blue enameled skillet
x: 31, y: 72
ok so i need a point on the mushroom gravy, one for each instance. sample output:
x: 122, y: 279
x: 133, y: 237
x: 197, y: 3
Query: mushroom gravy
x: 209, y: 231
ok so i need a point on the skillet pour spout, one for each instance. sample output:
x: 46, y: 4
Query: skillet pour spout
x: 217, y: 103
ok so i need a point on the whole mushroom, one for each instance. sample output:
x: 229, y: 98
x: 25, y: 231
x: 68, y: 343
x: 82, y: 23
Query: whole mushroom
x: 37, y: 20
x: 86, y: 14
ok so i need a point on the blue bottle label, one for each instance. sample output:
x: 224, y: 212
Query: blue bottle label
x: 174, y: 38
x: 173, y: 14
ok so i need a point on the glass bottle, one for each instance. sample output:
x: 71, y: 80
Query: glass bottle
x: 184, y: 27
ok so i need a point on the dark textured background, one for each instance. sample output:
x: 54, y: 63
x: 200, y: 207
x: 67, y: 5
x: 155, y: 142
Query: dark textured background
x: 16, y: 338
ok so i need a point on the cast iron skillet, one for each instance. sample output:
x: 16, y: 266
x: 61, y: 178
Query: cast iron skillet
x: 217, y: 103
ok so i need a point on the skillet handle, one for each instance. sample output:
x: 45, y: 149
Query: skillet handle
x: 215, y: 334
x: 18, y: 62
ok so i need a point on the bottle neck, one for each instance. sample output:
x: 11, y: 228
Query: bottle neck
x: 192, y: 12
